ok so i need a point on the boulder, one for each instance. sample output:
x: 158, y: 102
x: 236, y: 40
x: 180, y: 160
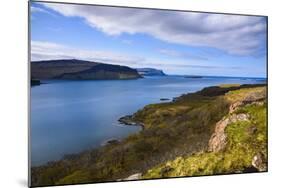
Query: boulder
x: 259, y: 162
x: 127, y: 120
x: 136, y: 176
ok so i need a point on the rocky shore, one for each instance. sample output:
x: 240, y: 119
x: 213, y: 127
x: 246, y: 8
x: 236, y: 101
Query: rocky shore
x: 129, y: 120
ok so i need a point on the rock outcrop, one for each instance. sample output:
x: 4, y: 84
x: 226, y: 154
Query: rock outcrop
x: 218, y: 139
x: 259, y: 162
x: 255, y: 97
x: 233, y: 107
x: 128, y: 120
x: 136, y: 176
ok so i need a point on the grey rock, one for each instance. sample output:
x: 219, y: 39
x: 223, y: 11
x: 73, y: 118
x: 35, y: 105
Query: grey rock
x: 136, y: 176
x: 218, y: 139
x: 259, y: 162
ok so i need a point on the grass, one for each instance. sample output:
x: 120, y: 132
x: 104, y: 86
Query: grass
x: 229, y: 85
x: 78, y: 176
x: 242, y: 146
x: 238, y: 95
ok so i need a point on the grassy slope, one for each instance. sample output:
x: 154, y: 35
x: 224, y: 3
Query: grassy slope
x: 237, y: 157
x: 176, y: 131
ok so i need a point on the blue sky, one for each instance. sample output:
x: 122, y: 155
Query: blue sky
x: 182, y: 43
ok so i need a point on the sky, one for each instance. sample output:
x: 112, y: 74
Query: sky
x: 177, y: 42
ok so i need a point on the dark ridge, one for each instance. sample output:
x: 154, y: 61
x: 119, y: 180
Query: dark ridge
x: 216, y: 90
x: 103, y: 71
x: 80, y: 70
x: 111, y: 68
x: 193, y: 76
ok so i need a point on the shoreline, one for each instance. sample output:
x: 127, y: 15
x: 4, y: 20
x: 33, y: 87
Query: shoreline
x: 175, y: 130
x: 128, y: 120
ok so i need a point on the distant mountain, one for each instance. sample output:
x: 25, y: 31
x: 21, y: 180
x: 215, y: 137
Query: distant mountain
x: 150, y: 72
x: 82, y: 70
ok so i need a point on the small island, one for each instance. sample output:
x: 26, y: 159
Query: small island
x: 193, y: 76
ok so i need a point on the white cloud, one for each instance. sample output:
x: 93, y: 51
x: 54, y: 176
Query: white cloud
x: 37, y: 9
x: 41, y: 50
x: 34, y: 9
x: 239, y: 35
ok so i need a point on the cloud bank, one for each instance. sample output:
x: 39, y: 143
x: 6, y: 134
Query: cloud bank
x: 34, y: 9
x: 234, y: 34
x: 41, y: 50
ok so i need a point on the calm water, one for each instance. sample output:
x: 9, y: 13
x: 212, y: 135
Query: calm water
x: 71, y: 116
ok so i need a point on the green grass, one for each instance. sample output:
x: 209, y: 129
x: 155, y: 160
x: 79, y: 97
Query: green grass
x: 242, y: 146
x: 78, y: 176
x: 229, y: 85
x: 238, y: 95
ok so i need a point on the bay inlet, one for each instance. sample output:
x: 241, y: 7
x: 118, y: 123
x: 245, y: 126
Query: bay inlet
x: 73, y: 116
